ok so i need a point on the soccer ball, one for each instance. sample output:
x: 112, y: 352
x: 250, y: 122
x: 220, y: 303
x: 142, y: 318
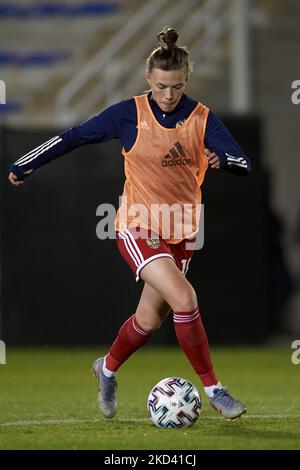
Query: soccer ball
x: 174, y: 403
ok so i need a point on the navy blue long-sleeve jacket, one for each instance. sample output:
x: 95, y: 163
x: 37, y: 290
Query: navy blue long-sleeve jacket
x: 119, y: 121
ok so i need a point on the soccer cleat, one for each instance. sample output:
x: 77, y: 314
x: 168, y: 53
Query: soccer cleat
x: 228, y: 406
x: 107, y: 401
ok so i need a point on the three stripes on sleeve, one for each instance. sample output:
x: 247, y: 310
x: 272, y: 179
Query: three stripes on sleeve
x: 236, y: 161
x: 38, y: 151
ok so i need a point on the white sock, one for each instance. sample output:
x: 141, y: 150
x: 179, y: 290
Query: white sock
x: 210, y: 390
x: 107, y: 372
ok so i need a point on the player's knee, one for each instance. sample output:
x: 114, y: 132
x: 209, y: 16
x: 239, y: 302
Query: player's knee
x: 150, y: 325
x: 187, y: 301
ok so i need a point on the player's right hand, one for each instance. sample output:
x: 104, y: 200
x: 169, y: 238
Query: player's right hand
x: 14, y: 179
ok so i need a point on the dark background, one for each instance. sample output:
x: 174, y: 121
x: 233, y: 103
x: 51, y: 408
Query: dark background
x: 62, y: 285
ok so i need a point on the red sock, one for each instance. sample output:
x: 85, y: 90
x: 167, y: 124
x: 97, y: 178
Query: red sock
x: 193, y: 340
x: 130, y: 338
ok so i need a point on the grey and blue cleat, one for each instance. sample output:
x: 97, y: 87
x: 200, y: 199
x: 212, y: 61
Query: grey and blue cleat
x: 227, y: 405
x: 107, y: 400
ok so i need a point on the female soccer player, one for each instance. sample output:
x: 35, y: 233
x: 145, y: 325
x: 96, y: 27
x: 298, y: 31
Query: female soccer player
x: 169, y: 140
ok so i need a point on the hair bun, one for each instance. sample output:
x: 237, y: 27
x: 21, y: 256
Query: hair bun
x: 167, y: 38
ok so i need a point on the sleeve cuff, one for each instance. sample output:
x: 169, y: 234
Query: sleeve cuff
x: 17, y: 171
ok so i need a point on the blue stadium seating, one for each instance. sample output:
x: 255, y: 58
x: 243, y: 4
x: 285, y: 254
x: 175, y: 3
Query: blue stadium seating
x: 58, y: 9
x: 43, y: 58
x: 6, y: 58
x: 37, y: 58
x: 10, y: 106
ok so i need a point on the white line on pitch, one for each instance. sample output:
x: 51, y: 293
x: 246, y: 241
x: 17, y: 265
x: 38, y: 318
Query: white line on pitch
x: 55, y: 422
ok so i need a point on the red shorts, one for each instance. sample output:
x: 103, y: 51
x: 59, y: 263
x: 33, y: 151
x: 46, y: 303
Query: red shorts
x: 139, y: 250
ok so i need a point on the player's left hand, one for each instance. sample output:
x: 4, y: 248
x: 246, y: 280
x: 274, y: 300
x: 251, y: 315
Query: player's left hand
x: 213, y: 159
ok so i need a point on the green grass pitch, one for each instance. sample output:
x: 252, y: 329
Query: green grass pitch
x: 48, y: 401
